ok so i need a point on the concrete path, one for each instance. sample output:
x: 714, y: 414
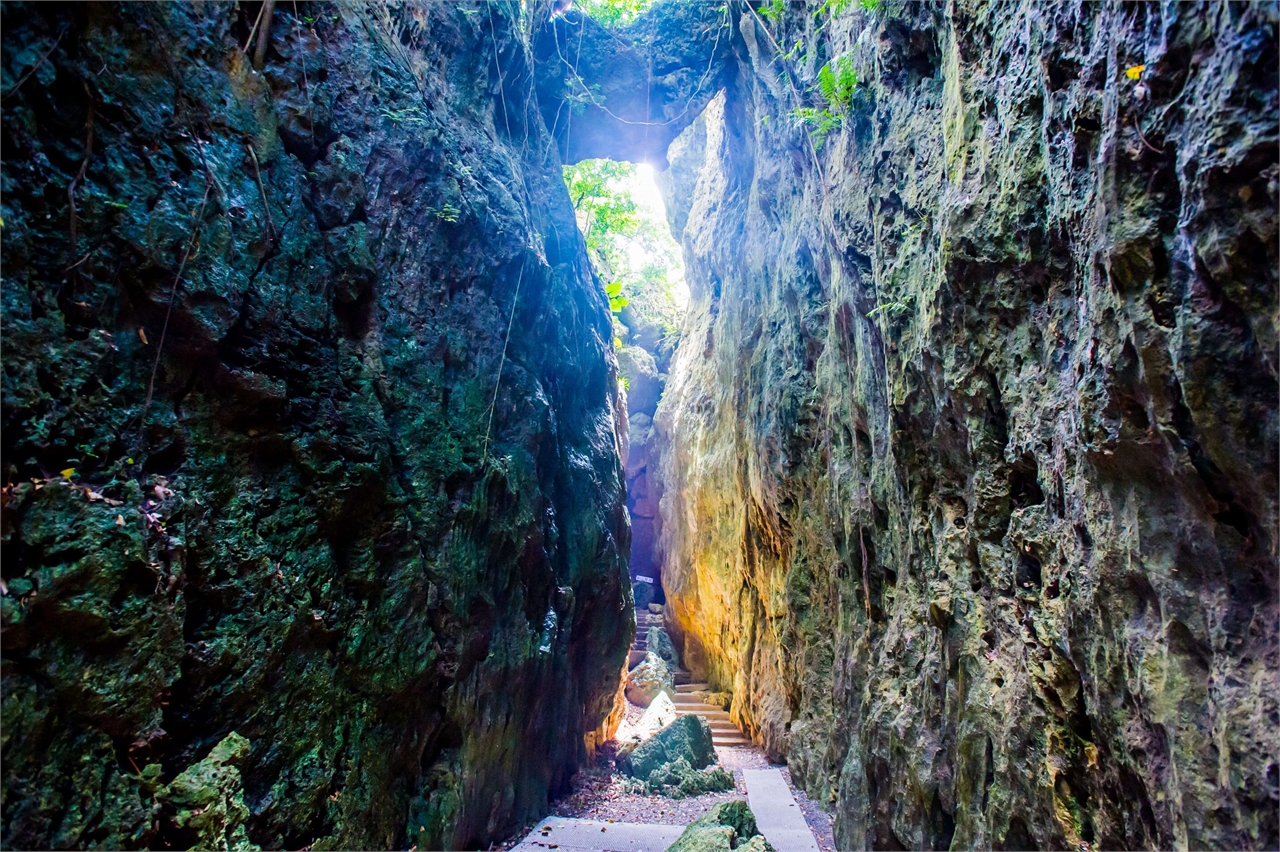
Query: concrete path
x: 777, y: 814
x: 589, y: 835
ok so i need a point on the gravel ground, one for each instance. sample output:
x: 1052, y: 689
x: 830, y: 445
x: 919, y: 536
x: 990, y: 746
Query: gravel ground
x: 598, y: 794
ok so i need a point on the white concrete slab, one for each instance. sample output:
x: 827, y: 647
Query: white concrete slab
x: 777, y: 815
x: 591, y: 835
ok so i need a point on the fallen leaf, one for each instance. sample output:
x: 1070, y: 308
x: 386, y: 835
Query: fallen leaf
x: 119, y: 520
x: 143, y: 335
x: 93, y: 496
x: 1134, y: 72
x: 68, y: 473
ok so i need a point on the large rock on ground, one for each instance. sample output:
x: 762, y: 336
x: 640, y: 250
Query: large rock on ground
x: 648, y: 679
x: 688, y: 738
x: 727, y: 826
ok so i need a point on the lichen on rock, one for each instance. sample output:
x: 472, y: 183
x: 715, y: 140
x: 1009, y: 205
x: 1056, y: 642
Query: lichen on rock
x: 727, y: 826
x: 688, y: 738
x: 207, y: 799
x: 323, y: 353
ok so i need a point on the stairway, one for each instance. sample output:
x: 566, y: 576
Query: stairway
x: 640, y: 646
x: 723, y: 732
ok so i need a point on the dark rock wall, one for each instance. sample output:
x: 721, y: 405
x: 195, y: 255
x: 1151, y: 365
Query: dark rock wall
x: 263, y: 316
x: 971, y: 440
x: 644, y: 489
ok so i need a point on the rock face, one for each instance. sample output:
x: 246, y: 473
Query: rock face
x: 321, y: 354
x: 970, y: 446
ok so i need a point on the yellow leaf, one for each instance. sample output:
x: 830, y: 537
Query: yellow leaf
x: 1135, y: 72
x: 143, y: 334
x: 68, y: 473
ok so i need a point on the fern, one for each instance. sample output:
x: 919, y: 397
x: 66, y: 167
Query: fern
x: 773, y: 11
x: 820, y: 121
x: 838, y: 84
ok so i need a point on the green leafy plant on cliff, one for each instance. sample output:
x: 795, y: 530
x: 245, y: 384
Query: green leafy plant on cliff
x: 836, y: 84
x: 617, y: 301
x: 891, y: 309
x: 772, y: 11
x: 837, y: 7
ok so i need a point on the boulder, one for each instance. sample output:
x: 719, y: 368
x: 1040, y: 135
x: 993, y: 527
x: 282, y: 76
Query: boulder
x: 729, y: 825
x: 687, y: 738
x: 660, y: 644
x: 678, y: 779
x: 643, y: 593
x: 648, y: 679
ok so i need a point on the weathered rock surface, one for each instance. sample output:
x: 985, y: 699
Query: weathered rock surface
x: 660, y: 643
x: 649, y: 679
x: 323, y: 348
x: 687, y: 738
x: 970, y: 446
x: 729, y: 825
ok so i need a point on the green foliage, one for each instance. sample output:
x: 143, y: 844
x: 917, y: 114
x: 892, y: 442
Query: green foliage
x: 613, y: 13
x: 773, y: 10
x: 836, y: 84
x: 408, y: 115
x: 617, y: 301
x: 894, y: 309
x: 837, y: 7
x: 820, y: 122
x: 609, y: 210
x: 632, y: 251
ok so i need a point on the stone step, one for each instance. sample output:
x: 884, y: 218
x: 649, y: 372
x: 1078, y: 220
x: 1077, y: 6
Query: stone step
x: 710, y: 711
x: 690, y: 687
x: 635, y: 659
x: 730, y: 741
x: 699, y: 709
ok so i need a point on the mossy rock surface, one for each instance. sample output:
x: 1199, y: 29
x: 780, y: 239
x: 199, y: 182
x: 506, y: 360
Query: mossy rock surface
x: 688, y: 738
x: 727, y: 826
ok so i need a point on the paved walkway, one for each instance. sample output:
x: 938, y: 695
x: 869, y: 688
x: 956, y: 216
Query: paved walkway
x: 777, y: 815
x: 589, y: 835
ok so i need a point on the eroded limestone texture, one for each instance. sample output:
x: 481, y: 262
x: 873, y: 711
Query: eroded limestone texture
x: 411, y: 612
x: 970, y: 463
